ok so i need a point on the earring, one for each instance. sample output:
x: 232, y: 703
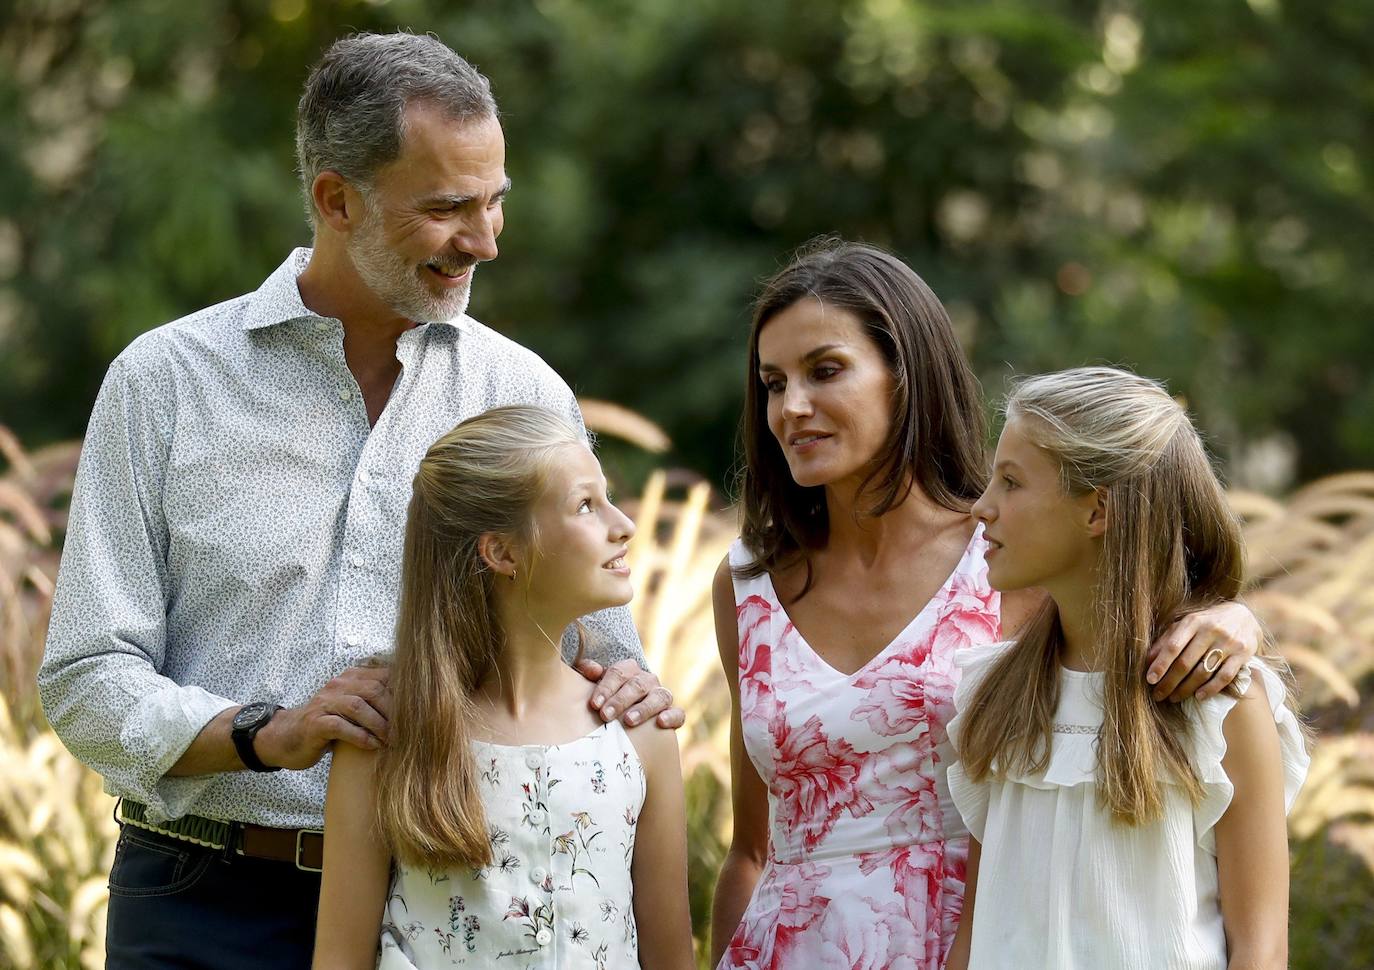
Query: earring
x: 512, y: 575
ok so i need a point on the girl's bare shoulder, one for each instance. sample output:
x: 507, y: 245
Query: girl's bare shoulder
x: 348, y: 761
x: 656, y: 746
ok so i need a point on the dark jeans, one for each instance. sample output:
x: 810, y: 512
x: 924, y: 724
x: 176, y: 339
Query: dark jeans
x: 176, y: 904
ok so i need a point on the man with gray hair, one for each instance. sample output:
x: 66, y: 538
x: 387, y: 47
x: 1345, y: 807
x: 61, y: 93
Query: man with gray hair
x: 233, y: 556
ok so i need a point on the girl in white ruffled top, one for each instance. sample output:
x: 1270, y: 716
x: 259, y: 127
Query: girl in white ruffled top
x: 1111, y: 831
x: 503, y: 825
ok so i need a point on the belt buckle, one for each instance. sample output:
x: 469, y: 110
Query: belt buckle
x: 301, y: 834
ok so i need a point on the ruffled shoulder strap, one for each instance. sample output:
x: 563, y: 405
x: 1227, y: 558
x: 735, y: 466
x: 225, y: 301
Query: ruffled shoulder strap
x: 1209, y: 747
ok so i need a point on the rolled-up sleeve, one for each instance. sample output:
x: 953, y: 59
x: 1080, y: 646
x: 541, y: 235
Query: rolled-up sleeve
x: 100, y: 682
x: 611, y: 636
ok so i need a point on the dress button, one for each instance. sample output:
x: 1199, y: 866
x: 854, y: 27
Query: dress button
x: 364, y: 477
x: 322, y: 325
x: 357, y: 560
x: 533, y: 761
x: 351, y: 639
x: 537, y: 876
x: 543, y: 937
x: 538, y: 815
x: 344, y: 394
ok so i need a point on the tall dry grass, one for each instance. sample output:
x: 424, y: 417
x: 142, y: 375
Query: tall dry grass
x: 34, y: 490
x: 56, y: 831
x: 1311, y: 559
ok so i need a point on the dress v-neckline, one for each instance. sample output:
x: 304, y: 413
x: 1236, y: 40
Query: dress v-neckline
x: 940, y: 595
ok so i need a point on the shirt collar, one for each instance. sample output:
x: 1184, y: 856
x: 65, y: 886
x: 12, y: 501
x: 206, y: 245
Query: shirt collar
x: 278, y: 299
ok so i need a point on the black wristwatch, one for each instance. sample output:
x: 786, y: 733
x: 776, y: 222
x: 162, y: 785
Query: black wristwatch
x: 251, y: 719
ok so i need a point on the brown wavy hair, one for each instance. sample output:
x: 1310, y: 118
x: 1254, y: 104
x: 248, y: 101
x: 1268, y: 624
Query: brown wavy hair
x: 482, y: 477
x: 1172, y: 546
x: 939, y: 431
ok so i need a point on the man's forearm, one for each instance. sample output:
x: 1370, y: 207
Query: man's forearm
x: 212, y: 751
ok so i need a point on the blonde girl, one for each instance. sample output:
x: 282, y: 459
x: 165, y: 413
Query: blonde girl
x: 1111, y: 830
x: 504, y: 825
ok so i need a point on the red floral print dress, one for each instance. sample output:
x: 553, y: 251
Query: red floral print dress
x: 866, y: 852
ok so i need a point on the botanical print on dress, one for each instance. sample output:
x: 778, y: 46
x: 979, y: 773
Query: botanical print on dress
x: 557, y: 893
x: 862, y: 872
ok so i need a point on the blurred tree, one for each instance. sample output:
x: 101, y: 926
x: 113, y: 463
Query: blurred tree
x: 1179, y: 187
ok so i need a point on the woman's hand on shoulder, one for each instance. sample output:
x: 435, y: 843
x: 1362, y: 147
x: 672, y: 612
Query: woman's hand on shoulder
x: 1203, y: 652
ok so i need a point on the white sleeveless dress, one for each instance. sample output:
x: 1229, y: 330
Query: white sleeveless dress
x: 557, y: 895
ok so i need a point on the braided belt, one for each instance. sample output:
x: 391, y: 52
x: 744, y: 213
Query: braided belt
x: 303, y: 847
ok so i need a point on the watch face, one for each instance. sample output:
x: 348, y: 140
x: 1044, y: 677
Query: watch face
x: 249, y: 715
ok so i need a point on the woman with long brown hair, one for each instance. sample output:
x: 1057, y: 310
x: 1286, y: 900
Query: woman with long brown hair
x: 1111, y: 831
x: 858, y: 573
x: 504, y: 823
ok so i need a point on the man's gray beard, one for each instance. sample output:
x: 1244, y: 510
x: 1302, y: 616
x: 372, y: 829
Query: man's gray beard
x: 396, y: 284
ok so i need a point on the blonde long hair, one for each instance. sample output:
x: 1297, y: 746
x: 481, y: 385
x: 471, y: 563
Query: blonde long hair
x: 1172, y: 546
x: 484, y: 476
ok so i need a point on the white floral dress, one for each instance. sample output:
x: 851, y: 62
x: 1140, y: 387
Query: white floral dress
x: 557, y: 895
x: 866, y: 851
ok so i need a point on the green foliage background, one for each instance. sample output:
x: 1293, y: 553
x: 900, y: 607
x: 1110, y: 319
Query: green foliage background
x: 1183, y: 187
x: 1179, y: 186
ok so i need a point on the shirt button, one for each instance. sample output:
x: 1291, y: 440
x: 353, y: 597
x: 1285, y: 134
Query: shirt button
x: 533, y: 761
x: 322, y: 325
x: 537, y: 876
x: 364, y: 476
x: 538, y: 815
x: 344, y: 394
x: 356, y: 559
x: 543, y: 937
x: 351, y: 639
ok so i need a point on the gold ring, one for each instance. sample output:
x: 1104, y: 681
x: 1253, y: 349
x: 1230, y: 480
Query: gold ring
x: 1213, y: 660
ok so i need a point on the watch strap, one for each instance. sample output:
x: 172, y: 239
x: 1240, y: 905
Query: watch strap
x: 243, y: 742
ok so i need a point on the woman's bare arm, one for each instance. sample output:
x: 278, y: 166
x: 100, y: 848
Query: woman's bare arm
x: 1252, y: 840
x: 963, y: 937
x: 749, y: 843
x: 659, y: 868
x: 357, y: 868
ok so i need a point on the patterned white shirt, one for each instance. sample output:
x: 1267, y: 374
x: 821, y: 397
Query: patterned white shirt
x: 236, y: 532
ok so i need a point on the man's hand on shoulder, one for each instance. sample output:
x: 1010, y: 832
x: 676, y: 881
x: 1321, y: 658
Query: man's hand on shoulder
x: 633, y: 694
x: 353, y: 708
